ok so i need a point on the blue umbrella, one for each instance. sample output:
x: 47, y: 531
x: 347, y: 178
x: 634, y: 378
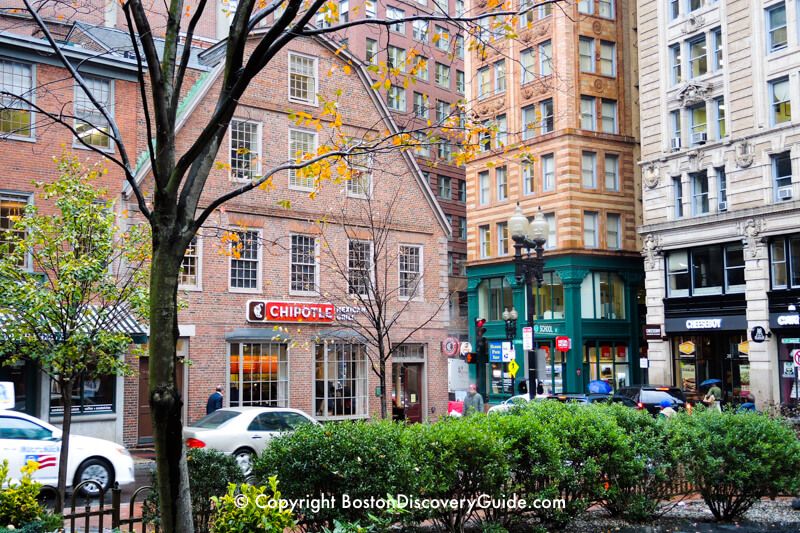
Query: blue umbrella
x: 710, y: 382
x: 599, y: 387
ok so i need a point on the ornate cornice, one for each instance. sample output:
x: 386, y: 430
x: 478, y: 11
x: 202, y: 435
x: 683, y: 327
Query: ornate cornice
x: 472, y: 284
x: 572, y: 275
x: 693, y: 93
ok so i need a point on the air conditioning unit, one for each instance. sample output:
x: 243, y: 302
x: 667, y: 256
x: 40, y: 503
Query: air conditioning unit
x: 723, y: 206
x: 676, y: 143
x: 699, y: 138
x: 785, y: 193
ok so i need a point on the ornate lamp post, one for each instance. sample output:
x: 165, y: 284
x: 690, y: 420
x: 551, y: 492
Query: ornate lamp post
x: 511, y: 322
x: 529, y: 267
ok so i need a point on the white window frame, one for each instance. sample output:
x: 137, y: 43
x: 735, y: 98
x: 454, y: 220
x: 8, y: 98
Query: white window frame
x: 484, y: 82
x: 198, y: 257
x: 312, y: 100
x: 590, y: 229
x: 396, y: 58
x: 25, y: 198
x: 612, y: 117
x: 772, y: 30
x: 421, y: 72
x: 17, y: 87
x: 500, y: 77
x: 419, y: 30
x: 443, y: 42
x: 258, y: 260
x: 332, y: 362
x: 551, y: 243
x: 421, y: 105
x: 586, y: 54
x: 609, y: 9
x: 610, y: 60
x: 588, y: 113
x: 589, y: 170
x: 546, y: 58
x: 484, y: 188
x: 485, y: 241
x: 527, y: 60
x: 360, y: 167
x: 83, y: 107
x: 548, y: 172
x: 586, y: 7
x: 372, y: 51
x: 501, y: 179
x: 613, y: 159
x: 529, y: 120
x: 548, y: 124
x: 370, y: 9
x: 774, y: 103
x: 254, y: 170
x: 315, y: 290
x: 614, y: 238
x: 396, y: 94
x: 442, y: 111
x: 502, y: 239
x: 442, y: 75
x: 528, y: 179
x: 700, y: 193
x: 460, y: 83
x: 295, y: 175
x: 444, y: 185
x: 351, y: 271
x: 394, y: 13
x: 417, y: 293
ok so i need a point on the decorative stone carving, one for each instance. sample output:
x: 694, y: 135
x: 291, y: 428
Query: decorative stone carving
x: 544, y: 29
x: 472, y: 284
x: 651, y: 249
x: 543, y: 89
x: 750, y: 229
x: 572, y: 276
x: 511, y: 279
x: 693, y: 93
x: 527, y: 92
x: 597, y: 27
x: 526, y: 36
x: 695, y: 160
x: 598, y: 85
x: 744, y: 154
x: 650, y: 176
x: 500, y: 104
x: 693, y: 24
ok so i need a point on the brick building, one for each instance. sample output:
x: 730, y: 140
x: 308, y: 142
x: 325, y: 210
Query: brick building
x: 561, y: 94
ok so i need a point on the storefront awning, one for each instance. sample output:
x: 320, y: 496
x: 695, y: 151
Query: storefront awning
x: 116, y: 319
x: 256, y: 334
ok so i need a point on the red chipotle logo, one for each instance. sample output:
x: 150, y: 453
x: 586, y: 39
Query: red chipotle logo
x: 278, y: 311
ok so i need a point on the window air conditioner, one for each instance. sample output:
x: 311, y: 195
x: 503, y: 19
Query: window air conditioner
x: 699, y: 138
x: 723, y: 206
x: 676, y: 143
x: 785, y: 193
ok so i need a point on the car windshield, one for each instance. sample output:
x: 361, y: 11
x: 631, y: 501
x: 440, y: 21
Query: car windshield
x: 215, y: 419
x: 656, y: 396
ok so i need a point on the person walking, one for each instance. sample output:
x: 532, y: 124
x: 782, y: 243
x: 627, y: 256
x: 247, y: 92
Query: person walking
x: 713, y: 399
x: 473, y: 402
x: 666, y: 409
x: 214, y: 401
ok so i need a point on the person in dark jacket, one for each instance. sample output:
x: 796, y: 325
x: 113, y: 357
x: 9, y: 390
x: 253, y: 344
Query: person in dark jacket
x: 473, y: 402
x: 214, y: 401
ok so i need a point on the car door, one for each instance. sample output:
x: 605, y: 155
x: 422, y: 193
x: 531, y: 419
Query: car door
x: 263, y: 427
x: 22, y: 440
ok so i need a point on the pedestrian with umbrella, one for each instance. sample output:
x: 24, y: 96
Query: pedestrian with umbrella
x: 599, y: 386
x: 713, y: 397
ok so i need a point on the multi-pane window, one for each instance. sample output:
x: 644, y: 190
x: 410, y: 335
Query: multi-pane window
x: 781, y: 102
x: 608, y: 63
x: 91, y: 126
x: 675, y: 120
x: 717, y: 57
x: 300, y: 143
x: 586, y: 7
x: 528, y: 122
x: 528, y: 179
x: 590, y: 229
x: 396, y: 98
x: 545, y: 11
x: 359, y: 185
x: 461, y: 190
x: 678, y: 274
x: 694, y: 5
x: 678, y: 187
x: 444, y: 151
x: 459, y: 8
x: 734, y: 268
x: 613, y: 231
x: 393, y: 13
x: 341, y: 380
x: 396, y: 58
x: 190, y: 265
x: 259, y: 374
x: 551, y: 233
x: 420, y: 30
x: 612, y: 172
x: 442, y: 38
x: 603, y: 294
x: 700, y: 193
x: 302, y: 79
x: 546, y: 58
x: 527, y: 61
x: 547, y: 112
x: 344, y: 11
x: 15, y: 114
x: 245, y: 261
x: 609, y: 116
x: 527, y: 18
x: 502, y: 132
x: 502, y: 238
x: 782, y: 176
x: 586, y: 53
x: 720, y: 104
x: 588, y: 113
x: 606, y: 8
x: 369, y: 9
x: 785, y: 255
x: 500, y: 77
x: 372, y: 51
x: 442, y: 75
x: 699, y: 123
x: 421, y: 67
x: 589, y: 170
x: 675, y: 63
x: 485, y: 241
x: 359, y: 264
x: 445, y: 187
x: 548, y: 172
x: 502, y: 184
x: 674, y: 9
x: 410, y: 271
x: 698, y: 57
x: 245, y: 151
x: 442, y: 110
x: 777, y: 38
x: 12, y: 208
x: 722, y: 184
x: 460, y: 81
x: 303, y: 276
x: 484, y: 192
x: 708, y: 270
x: 420, y: 105
x: 484, y: 82
x: 459, y: 46
x: 423, y: 146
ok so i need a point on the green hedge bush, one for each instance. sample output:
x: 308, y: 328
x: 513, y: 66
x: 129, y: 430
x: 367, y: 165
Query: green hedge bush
x: 19, y: 502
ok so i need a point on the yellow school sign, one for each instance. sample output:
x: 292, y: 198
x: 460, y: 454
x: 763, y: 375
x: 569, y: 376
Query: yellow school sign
x: 512, y: 368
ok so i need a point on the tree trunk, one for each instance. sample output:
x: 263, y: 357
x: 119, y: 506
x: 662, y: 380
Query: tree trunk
x: 66, y: 424
x: 165, y: 400
x: 382, y: 379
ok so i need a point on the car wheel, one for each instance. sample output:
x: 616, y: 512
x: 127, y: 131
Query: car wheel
x: 244, y: 458
x: 97, y: 470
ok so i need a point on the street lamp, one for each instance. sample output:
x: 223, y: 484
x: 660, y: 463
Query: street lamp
x: 511, y: 322
x: 529, y: 267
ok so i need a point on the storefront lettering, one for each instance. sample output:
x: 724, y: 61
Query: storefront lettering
x: 282, y: 311
x: 705, y: 323
x: 789, y: 320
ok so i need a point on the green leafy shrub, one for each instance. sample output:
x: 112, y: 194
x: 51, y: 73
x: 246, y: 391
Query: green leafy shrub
x: 358, y: 459
x: 18, y: 501
x: 252, y: 509
x: 735, y: 459
x: 44, y: 524
x: 210, y: 473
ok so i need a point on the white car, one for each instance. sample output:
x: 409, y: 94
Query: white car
x: 508, y: 404
x: 24, y: 438
x: 243, y: 431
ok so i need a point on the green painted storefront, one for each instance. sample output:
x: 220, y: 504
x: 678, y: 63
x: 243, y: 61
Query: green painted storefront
x: 593, y: 300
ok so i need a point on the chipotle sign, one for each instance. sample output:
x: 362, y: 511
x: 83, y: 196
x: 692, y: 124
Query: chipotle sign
x: 282, y: 311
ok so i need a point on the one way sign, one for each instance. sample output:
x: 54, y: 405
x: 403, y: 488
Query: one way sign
x: 758, y: 334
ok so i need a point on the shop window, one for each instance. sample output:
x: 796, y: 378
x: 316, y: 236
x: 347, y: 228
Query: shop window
x: 678, y: 274
x: 340, y: 380
x: 734, y: 268
x: 549, y: 298
x: 607, y: 361
x: 259, y: 374
x: 603, y: 296
x: 494, y: 295
x: 89, y: 395
x: 785, y: 262
x: 706, y: 271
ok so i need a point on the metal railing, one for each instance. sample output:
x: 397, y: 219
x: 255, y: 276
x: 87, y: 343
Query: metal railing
x: 94, y: 514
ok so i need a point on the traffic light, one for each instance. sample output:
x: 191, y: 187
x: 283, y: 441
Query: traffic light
x: 472, y: 358
x: 481, y: 344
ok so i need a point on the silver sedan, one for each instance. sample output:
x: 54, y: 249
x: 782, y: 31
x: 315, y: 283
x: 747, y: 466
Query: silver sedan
x: 243, y: 431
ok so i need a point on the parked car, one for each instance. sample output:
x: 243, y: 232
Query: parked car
x: 580, y: 398
x: 243, y: 431
x: 650, y: 396
x: 25, y: 438
x: 505, y: 405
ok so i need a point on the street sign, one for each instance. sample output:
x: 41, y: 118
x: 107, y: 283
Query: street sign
x: 562, y: 344
x: 508, y: 352
x: 758, y: 334
x: 450, y: 346
x: 547, y: 329
x: 496, y: 352
x: 527, y: 338
x: 790, y: 340
x: 644, y: 362
x: 796, y: 357
x: 466, y: 347
x: 512, y: 368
